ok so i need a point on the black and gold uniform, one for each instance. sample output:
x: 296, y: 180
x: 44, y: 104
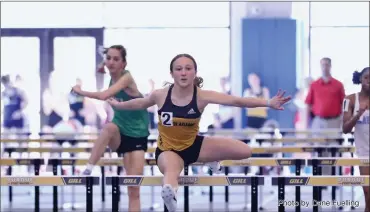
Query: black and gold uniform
x: 178, y: 129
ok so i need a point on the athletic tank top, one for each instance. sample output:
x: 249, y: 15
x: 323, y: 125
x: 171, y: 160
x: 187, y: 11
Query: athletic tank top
x: 178, y: 126
x: 133, y: 123
x: 12, y: 101
x: 260, y: 112
x: 361, y: 133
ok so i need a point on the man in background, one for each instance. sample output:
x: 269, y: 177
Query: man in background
x: 324, y: 100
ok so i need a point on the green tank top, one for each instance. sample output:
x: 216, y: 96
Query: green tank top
x: 133, y: 123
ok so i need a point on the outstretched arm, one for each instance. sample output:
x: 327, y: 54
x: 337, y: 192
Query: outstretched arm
x: 122, y: 83
x: 213, y: 97
x: 134, y: 104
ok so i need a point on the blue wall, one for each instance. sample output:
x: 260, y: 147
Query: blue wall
x: 270, y: 50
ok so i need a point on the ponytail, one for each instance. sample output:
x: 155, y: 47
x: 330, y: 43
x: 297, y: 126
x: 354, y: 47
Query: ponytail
x: 356, y: 77
x: 198, y: 81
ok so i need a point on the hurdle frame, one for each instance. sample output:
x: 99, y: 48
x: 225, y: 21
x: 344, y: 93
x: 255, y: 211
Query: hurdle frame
x: 89, y: 183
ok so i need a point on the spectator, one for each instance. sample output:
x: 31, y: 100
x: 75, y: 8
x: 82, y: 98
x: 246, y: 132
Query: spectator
x: 76, y: 105
x: 55, y: 102
x: 224, y: 118
x: 15, y: 102
x: 324, y: 100
x: 256, y: 116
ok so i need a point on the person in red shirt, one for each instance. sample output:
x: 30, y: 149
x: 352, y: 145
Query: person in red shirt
x: 325, y: 98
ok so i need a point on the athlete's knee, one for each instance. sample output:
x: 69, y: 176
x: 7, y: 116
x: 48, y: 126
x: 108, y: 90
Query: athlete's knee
x: 109, y: 130
x: 243, y: 153
x: 133, y: 192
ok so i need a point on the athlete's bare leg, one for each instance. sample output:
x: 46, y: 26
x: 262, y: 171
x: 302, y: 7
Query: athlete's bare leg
x: 220, y: 148
x: 109, y: 136
x: 171, y: 165
x: 134, y: 164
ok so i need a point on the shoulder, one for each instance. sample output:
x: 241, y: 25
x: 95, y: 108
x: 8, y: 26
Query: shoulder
x: 350, y: 98
x: 316, y: 82
x: 126, y: 75
x: 158, y: 93
x: 205, y: 93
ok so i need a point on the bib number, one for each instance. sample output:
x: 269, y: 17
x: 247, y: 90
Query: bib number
x: 166, y: 118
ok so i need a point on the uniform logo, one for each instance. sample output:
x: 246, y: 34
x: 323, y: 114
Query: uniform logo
x: 191, y: 111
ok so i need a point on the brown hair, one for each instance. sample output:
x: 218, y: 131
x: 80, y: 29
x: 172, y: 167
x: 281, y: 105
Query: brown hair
x: 198, y: 81
x: 120, y: 48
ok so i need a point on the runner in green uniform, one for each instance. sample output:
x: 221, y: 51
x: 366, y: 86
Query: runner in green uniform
x: 128, y: 132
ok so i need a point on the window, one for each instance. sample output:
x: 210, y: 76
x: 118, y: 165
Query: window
x: 339, y: 13
x: 149, y: 52
x: 51, y: 14
x: 75, y: 57
x: 166, y: 14
x: 347, y: 47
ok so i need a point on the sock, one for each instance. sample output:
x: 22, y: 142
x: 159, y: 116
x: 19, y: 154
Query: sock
x: 89, y: 167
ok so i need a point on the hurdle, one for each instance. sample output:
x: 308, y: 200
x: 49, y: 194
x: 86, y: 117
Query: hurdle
x: 314, y: 181
x: 317, y: 163
x: 149, y: 162
x: 255, y: 150
x: 254, y: 182
x: 54, y: 181
x: 340, y: 140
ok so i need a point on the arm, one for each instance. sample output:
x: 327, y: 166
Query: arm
x: 349, y: 121
x: 122, y: 83
x: 342, y: 94
x: 213, y: 97
x: 135, y: 104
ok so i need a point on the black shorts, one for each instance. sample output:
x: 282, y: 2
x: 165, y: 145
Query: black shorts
x: 130, y: 144
x: 189, y: 155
